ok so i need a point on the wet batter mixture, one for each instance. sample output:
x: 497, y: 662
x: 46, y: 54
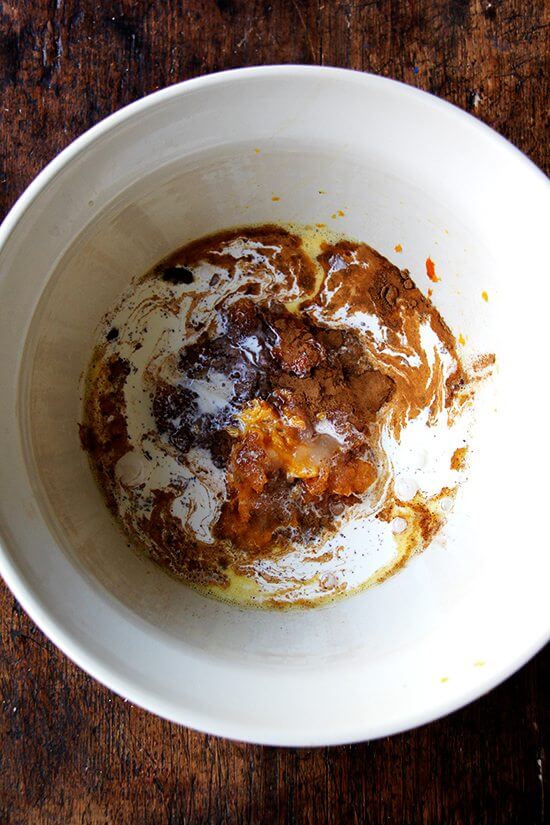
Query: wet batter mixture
x: 261, y: 394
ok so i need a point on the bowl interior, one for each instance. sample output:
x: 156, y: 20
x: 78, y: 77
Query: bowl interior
x: 403, y: 170
x: 172, y: 205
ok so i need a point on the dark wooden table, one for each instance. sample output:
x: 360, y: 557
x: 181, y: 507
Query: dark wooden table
x: 71, y: 751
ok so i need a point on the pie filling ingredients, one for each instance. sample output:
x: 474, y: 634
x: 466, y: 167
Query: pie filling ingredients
x: 256, y: 392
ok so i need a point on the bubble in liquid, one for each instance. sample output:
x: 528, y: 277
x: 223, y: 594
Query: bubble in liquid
x: 398, y: 525
x: 131, y: 469
x: 405, y: 489
x: 328, y: 581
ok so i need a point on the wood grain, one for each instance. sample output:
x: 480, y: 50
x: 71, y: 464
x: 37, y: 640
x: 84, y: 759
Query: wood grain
x: 72, y: 752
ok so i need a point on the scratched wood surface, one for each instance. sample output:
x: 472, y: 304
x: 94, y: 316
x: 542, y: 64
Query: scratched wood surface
x: 72, y: 752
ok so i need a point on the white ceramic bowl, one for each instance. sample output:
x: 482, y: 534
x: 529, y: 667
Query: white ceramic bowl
x: 405, y: 168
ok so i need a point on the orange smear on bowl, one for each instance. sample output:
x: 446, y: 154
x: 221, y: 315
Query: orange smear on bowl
x: 430, y: 271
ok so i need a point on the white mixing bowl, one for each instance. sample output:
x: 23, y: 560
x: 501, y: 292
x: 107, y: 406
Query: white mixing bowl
x: 404, y: 168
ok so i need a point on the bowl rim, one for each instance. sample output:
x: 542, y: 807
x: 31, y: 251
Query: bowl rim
x: 31, y: 601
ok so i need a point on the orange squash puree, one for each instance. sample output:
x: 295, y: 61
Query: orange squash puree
x: 430, y: 271
x: 269, y: 445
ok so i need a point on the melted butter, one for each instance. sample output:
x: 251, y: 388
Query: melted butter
x: 314, y: 239
x: 241, y: 590
x: 246, y: 591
